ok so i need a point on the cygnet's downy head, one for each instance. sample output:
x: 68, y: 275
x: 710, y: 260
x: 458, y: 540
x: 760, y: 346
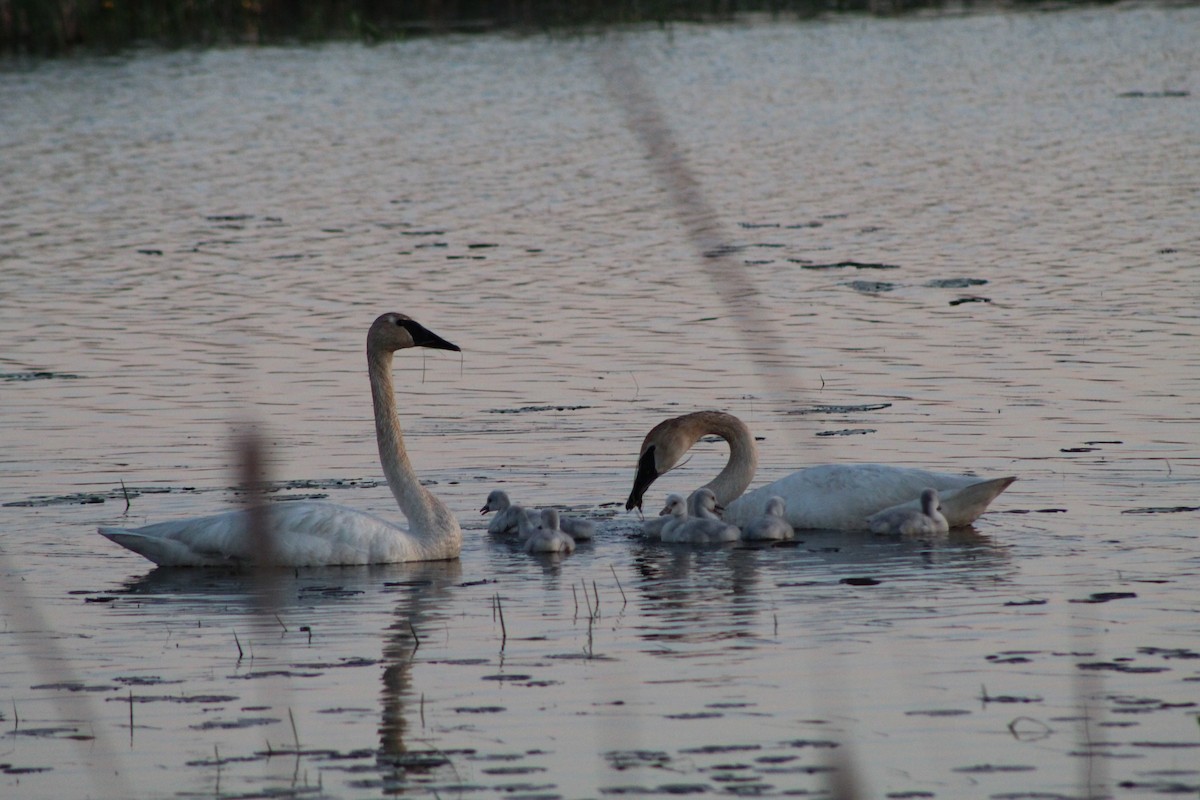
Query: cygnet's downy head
x: 497, y: 500
x: 549, y: 519
x: 675, y: 507
x: 703, y: 500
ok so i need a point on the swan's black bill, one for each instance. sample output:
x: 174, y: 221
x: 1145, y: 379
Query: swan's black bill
x: 423, y: 337
x: 647, y: 474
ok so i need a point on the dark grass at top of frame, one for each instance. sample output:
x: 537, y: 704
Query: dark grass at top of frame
x: 40, y: 28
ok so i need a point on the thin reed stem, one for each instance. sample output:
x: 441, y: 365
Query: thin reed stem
x: 503, y: 629
x: 624, y: 599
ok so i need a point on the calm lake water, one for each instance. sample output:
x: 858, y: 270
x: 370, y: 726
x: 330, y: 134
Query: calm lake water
x: 977, y: 239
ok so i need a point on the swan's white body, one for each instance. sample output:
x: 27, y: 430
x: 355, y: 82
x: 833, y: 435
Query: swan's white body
x: 548, y: 538
x: 927, y: 519
x: 830, y: 496
x: 771, y: 525
x: 681, y: 528
x: 508, y: 515
x: 653, y: 528
x: 323, y: 534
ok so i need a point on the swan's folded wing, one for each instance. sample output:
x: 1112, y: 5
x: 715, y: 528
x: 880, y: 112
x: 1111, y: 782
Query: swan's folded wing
x: 964, y: 506
x: 842, y: 496
x: 960, y: 507
x: 167, y: 552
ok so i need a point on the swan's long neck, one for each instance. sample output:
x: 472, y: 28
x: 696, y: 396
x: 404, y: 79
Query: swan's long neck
x: 429, y: 520
x: 739, y: 471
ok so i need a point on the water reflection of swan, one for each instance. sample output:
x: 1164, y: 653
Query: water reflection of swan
x: 430, y: 591
x: 706, y: 529
x: 547, y: 538
x: 771, y: 525
x: 903, y: 520
x: 316, y: 534
x: 830, y: 496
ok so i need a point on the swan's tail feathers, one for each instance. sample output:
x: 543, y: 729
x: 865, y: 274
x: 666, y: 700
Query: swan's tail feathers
x: 963, y: 506
x: 162, y: 551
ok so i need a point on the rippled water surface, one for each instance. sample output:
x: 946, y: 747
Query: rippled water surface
x: 976, y: 238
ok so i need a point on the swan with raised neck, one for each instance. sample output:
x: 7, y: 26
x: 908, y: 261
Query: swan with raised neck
x: 832, y: 496
x: 324, y: 534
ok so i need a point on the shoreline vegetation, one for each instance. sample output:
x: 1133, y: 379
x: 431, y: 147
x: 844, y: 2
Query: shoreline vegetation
x: 59, y: 27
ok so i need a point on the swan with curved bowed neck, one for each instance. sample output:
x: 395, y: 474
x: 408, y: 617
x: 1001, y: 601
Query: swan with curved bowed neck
x: 653, y: 528
x: 928, y: 519
x: 708, y: 529
x: 508, y: 515
x: 548, y: 538
x: 771, y: 525
x: 830, y: 496
x: 324, y: 534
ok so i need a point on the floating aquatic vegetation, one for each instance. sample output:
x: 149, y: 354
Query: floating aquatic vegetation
x: 1156, y: 95
x: 1118, y: 666
x: 534, y: 409
x: 625, y: 759
x: 805, y: 264
x: 233, y: 725
x: 871, y: 287
x: 840, y: 409
x: 955, y: 283
x: 36, y: 375
x: 1104, y: 597
x: 74, y: 686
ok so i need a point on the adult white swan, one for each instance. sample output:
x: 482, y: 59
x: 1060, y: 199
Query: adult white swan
x: 321, y: 534
x: 830, y: 496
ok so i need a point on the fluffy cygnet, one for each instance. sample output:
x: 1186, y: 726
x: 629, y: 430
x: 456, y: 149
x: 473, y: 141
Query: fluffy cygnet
x: 771, y: 525
x: 927, y: 519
